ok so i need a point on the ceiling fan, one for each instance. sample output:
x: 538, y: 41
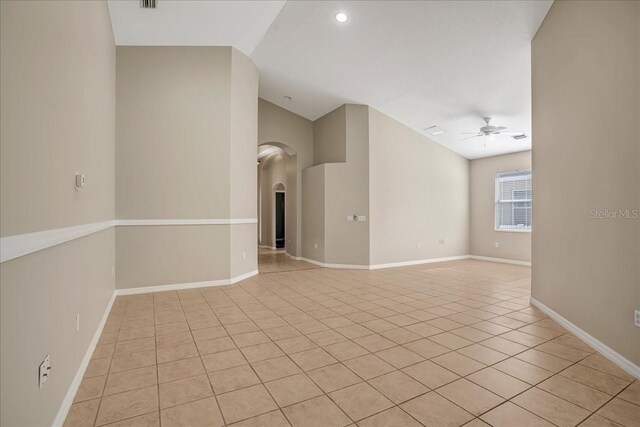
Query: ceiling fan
x: 489, y: 131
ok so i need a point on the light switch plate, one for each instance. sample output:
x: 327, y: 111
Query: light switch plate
x: 44, y: 370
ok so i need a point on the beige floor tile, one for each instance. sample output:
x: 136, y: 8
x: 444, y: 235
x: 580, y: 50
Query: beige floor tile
x: 317, y: 412
x: 172, y: 340
x: 82, y: 414
x: 183, y: 351
x: 183, y: 391
x: 152, y: 419
x: 569, y: 353
x: 345, y: 350
x: 374, y: 342
x: 325, y: 338
x: 399, y: 356
x: 593, y: 378
x: 574, y: 392
x: 223, y: 360
x: 476, y: 423
x: 90, y: 388
x: 179, y: 369
x: 393, y: 417
x: 631, y: 394
x: 97, y: 367
x: 354, y: 331
x: 523, y: 339
x: 171, y: 328
x: 215, y: 345
x: 400, y: 335
x: 600, y: 363
x: 544, y: 360
x: 313, y: 359
x: 233, y: 379
x: 131, y: 334
x: 130, y: 380
x: 622, y: 412
x: 398, y: 386
x: 498, y: 382
x: 433, y: 410
x: 295, y: 344
x: 471, y: 334
x: 360, y: 401
x: 256, y: 353
x: 270, y: 419
x: 426, y: 348
x: 522, y: 370
x: 333, y: 377
x: 458, y: 363
x: 572, y: 341
x: 282, y: 332
x: 203, y: 412
x: 470, y: 397
x: 289, y: 390
x: 483, y: 354
x: 272, y: 369
x: 250, y: 338
x: 241, y: 328
x: 596, y: 420
x: 127, y: 405
x: 430, y: 374
x: 510, y: 415
x: 368, y: 366
x: 504, y: 346
x: 246, y: 403
x: 450, y: 340
x: 550, y: 407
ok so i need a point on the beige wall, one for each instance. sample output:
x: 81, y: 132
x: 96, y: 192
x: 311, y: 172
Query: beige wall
x: 512, y: 245
x: 281, y: 127
x: 329, y: 137
x: 57, y: 116
x: 313, y: 211
x: 586, y: 119
x: 419, y: 194
x: 186, y: 132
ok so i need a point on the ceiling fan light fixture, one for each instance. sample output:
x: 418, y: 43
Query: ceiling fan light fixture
x: 434, y: 130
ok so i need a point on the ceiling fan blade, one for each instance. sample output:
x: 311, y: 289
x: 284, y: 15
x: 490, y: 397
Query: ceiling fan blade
x: 499, y: 128
x: 470, y: 133
x: 510, y: 131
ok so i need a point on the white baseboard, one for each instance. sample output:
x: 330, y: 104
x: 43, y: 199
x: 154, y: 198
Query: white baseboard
x: 597, y: 345
x: 75, y: 384
x: 297, y: 258
x: 329, y: 265
x: 182, y: 286
x: 416, y: 262
x: 502, y: 260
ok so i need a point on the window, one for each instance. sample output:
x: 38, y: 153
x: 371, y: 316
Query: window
x: 513, y: 201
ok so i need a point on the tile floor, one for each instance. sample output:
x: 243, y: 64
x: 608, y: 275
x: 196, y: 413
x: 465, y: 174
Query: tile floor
x: 436, y: 345
x: 270, y: 261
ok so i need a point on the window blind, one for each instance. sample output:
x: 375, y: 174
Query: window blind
x: 513, y: 201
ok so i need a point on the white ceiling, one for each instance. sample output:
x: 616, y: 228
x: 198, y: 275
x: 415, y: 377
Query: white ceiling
x: 424, y: 63
x: 241, y: 24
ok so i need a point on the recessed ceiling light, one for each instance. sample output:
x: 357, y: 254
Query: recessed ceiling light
x: 342, y: 17
x: 434, y: 130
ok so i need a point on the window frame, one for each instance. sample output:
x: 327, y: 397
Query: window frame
x: 523, y: 175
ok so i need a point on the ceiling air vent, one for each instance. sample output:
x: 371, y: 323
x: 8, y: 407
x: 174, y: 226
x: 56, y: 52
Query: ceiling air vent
x: 148, y: 4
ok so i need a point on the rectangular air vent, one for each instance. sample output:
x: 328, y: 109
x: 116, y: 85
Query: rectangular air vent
x: 148, y: 4
x: 434, y: 130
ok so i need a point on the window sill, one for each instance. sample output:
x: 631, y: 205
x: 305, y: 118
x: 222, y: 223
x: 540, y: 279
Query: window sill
x: 512, y: 231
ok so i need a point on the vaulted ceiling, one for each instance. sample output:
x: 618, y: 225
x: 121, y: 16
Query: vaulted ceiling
x: 424, y: 63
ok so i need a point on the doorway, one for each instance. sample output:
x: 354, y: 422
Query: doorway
x: 279, y: 219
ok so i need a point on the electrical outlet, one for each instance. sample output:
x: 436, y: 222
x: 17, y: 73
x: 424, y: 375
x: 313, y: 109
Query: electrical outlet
x: 113, y: 270
x: 419, y: 245
x: 637, y: 318
x: 244, y: 255
x: 77, y: 323
x: 44, y: 371
x: 497, y: 244
x: 315, y: 246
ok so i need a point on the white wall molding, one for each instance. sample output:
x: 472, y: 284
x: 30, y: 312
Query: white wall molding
x: 182, y: 286
x: 75, y: 384
x: 596, y: 344
x: 297, y: 258
x: 12, y: 247
x: 329, y: 265
x: 417, y: 262
x: 231, y: 221
x: 22, y: 244
x: 502, y: 260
